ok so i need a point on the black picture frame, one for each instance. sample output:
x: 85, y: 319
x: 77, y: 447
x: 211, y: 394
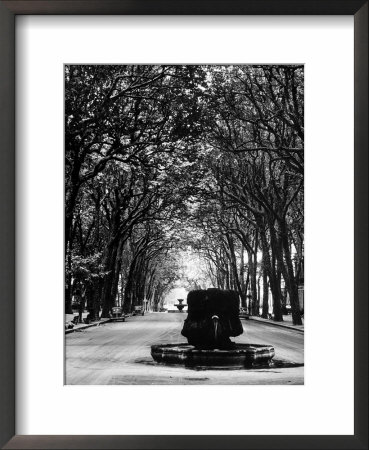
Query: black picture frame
x: 8, y: 12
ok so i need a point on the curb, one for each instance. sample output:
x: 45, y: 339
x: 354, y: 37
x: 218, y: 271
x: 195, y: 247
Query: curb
x: 277, y: 324
x: 83, y: 327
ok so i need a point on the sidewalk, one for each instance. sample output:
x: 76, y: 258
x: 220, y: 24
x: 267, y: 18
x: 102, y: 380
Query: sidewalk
x: 287, y: 322
x: 82, y: 326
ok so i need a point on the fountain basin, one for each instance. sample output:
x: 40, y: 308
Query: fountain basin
x: 242, y: 356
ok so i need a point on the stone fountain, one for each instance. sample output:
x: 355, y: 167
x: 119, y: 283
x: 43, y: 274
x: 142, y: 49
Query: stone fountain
x: 213, y: 317
x: 180, y: 305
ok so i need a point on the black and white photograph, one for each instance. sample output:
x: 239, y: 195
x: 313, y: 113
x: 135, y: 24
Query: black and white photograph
x: 184, y: 224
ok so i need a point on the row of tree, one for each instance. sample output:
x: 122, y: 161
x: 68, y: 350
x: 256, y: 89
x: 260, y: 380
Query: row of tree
x: 130, y: 132
x: 252, y: 208
x: 162, y: 157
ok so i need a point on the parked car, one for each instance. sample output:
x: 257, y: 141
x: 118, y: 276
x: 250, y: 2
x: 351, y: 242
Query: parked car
x: 243, y: 313
x: 138, y: 311
x: 117, y: 314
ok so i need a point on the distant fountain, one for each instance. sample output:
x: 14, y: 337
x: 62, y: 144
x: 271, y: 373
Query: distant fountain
x: 213, y: 317
x: 179, y: 305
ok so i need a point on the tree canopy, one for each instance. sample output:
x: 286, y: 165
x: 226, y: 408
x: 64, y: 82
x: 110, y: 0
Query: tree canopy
x: 162, y: 159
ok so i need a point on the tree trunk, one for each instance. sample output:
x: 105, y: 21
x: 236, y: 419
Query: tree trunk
x: 271, y: 270
x: 255, y: 305
x: 252, y: 272
x: 256, y: 299
x: 93, y: 301
x: 274, y: 283
x: 128, y: 293
x: 259, y: 293
x: 107, y: 300
x: 70, y: 200
x: 265, y: 313
x: 68, y: 285
x: 242, y: 278
x: 116, y: 270
x: 233, y: 262
x: 290, y: 280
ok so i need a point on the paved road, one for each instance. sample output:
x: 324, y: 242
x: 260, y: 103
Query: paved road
x: 119, y: 353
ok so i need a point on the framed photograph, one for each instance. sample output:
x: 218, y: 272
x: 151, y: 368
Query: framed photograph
x: 184, y: 224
